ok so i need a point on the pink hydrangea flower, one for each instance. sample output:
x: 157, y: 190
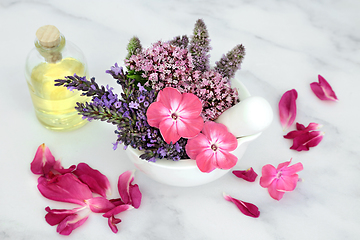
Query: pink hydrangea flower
x: 323, y: 90
x: 176, y: 115
x: 287, y: 108
x: 281, y: 179
x: 305, y: 137
x: 211, y: 148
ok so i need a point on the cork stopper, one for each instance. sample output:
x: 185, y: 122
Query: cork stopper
x: 48, y: 36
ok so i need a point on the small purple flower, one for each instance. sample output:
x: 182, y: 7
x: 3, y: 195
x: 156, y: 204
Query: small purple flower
x: 141, y: 98
x: 134, y: 105
x: 141, y: 88
x: 146, y: 104
x: 116, y: 69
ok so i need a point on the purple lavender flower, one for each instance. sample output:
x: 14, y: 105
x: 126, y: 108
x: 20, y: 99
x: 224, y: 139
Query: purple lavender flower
x: 134, y: 105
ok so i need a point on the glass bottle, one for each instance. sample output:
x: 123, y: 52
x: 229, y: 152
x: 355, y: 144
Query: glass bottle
x: 54, y: 58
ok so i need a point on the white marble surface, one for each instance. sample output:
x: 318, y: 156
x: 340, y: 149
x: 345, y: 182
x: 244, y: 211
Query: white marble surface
x: 288, y: 44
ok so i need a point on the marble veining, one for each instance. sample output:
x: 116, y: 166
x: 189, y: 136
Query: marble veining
x: 288, y: 43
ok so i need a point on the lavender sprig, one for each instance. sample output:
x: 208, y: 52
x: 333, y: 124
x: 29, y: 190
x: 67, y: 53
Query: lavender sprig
x: 231, y: 62
x: 200, y: 46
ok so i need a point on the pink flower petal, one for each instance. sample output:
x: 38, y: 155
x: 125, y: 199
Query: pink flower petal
x: 97, y: 182
x: 274, y: 193
x: 246, y: 208
x: 112, y: 221
x: 196, y: 145
x: 55, y: 216
x: 169, y: 131
x: 307, y: 140
x: 189, y: 128
x: 70, y: 223
x: 248, y: 175
x: 268, y: 175
x: 293, y: 169
x: 156, y: 113
x: 129, y: 193
x: 190, y: 106
x: 287, y: 183
x: 287, y: 108
x: 100, y: 205
x: 224, y: 160
x: 170, y: 97
x: 323, y: 90
x: 65, y: 188
x: 205, y: 160
x: 43, y: 161
x: 118, y: 209
x: 301, y: 129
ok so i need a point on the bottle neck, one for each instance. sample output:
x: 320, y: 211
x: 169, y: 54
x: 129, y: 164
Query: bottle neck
x: 51, y: 55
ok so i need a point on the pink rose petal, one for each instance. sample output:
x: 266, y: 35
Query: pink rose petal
x: 323, y: 90
x: 248, y: 175
x: 287, y: 108
x: 246, y: 208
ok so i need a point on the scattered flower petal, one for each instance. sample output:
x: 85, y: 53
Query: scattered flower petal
x: 129, y: 193
x: 248, y: 175
x: 287, y: 108
x: 281, y: 179
x: 70, y: 223
x: 305, y: 137
x: 211, y: 148
x: 323, y: 90
x: 43, y: 161
x: 246, y: 208
x: 176, y: 115
x: 65, y: 188
x: 97, y: 182
x: 100, y: 205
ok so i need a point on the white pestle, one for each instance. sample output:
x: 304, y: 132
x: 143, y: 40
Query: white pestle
x: 250, y: 116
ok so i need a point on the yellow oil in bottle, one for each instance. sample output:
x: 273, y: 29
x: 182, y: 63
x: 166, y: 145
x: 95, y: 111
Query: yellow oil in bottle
x: 54, y: 105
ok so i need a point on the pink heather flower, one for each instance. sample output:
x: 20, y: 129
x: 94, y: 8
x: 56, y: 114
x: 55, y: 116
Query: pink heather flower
x: 246, y: 208
x: 248, y: 175
x: 211, y: 148
x: 287, y: 108
x: 176, y: 115
x: 305, y: 137
x: 323, y: 90
x: 281, y: 179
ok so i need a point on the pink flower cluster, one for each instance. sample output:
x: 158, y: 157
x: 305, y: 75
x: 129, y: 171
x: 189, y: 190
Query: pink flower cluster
x: 215, y: 93
x: 165, y: 65
x: 83, y: 186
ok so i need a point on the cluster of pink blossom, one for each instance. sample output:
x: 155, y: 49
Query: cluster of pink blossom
x: 215, y: 92
x: 165, y: 65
